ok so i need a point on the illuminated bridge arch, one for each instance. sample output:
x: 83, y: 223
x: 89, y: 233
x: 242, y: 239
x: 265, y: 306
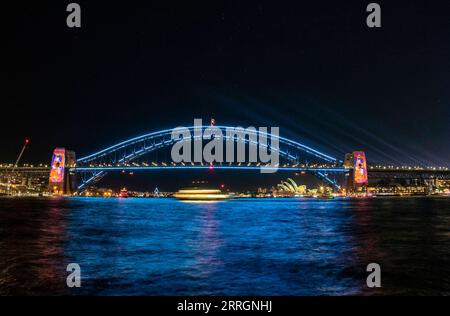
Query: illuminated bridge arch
x: 121, y: 156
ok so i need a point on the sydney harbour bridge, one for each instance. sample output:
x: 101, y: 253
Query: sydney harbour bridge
x: 152, y: 152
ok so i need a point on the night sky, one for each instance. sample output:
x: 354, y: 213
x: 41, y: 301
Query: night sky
x: 315, y: 70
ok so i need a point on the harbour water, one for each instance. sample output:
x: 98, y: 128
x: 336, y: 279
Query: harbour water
x: 240, y: 247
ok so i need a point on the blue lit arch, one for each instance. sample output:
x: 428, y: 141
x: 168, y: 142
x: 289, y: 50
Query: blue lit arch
x: 94, y: 166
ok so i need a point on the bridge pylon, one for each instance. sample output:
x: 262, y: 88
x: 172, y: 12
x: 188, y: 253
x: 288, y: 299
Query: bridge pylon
x: 358, y: 178
x: 61, y: 180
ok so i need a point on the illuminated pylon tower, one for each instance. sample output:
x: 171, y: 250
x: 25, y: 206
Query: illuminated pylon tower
x: 61, y: 181
x: 358, y: 177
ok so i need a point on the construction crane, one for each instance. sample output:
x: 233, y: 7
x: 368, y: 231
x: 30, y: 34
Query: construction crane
x: 20, y: 155
x: 27, y: 141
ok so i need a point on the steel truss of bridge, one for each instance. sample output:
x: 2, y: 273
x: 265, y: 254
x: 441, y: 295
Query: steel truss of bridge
x: 297, y: 157
x: 125, y: 155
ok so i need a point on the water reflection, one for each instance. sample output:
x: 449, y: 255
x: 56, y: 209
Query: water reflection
x: 31, y: 247
x: 207, y: 245
x: 240, y: 247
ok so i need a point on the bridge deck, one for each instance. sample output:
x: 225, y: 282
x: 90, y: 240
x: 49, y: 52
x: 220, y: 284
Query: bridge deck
x: 221, y: 167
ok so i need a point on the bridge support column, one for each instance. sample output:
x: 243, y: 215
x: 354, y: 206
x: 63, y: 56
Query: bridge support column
x: 61, y: 180
x: 357, y: 180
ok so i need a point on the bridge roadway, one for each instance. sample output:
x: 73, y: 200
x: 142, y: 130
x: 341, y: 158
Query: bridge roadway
x: 242, y: 166
x: 215, y: 167
x: 408, y: 173
x: 375, y: 172
x: 27, y: 170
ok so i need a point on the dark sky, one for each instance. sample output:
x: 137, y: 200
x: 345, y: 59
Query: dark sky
x: 315, y: 70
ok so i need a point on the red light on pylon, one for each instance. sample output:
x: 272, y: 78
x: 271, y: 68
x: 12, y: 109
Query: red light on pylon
x: 27, y: 140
